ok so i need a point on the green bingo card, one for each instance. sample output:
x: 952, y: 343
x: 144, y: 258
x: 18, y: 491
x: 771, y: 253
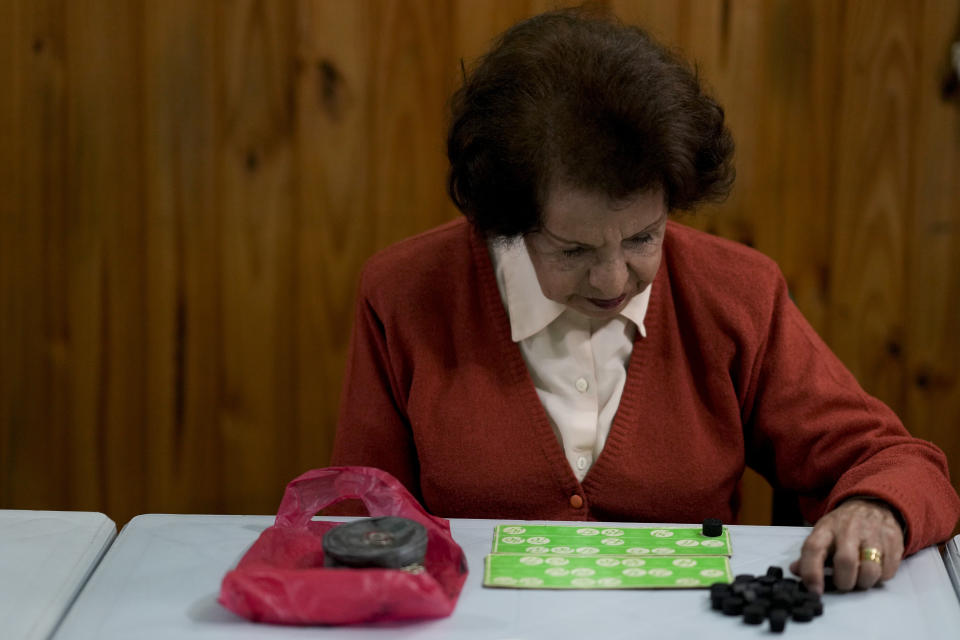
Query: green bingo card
x: 585, y: 557
x: 517, y: 571
x: 608, y: 541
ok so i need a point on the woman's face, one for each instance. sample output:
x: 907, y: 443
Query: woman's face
x: 593, y: 254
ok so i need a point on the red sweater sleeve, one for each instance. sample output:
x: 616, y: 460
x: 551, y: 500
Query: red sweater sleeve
x: 372, y: 428
x: 811, y: 428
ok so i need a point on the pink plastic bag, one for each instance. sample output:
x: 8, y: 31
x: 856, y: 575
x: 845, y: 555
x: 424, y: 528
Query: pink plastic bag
x: 281, y: 578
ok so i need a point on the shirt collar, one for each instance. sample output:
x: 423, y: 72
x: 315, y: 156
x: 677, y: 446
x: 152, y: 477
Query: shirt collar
x: 528, y: 309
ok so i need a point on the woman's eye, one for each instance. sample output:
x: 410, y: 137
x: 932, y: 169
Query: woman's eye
x: 572, y: 253
x: 640, y: 240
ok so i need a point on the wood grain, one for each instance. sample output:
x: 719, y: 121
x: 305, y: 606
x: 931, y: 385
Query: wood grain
x: 189, y: 191
x: 932, y: 384
x: 256, y: 185
x: 412, y: 64
x: 335, y: 150
x: 182, y: 257
x: 872, y: 205
x: 476, y: 24
x: 105, y: 232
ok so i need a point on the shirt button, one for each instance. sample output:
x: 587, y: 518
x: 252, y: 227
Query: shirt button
x: 581, y: 463
x: 576, y: 501
x: 582, y: 385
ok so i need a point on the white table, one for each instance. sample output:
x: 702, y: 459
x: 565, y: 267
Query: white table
x: 162, y: 576
x: 951, y: 558
x: 45, y: 558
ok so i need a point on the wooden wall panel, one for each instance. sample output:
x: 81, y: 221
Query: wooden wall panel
x: 477, y: 24
x: 11, y: 369
x: 182, y: 257
x: 34, y: 377
x: 335, y: 150
x: 105, y: 243
x: 932, y: 304
x: 190, y: 191
x: 800, y: 132
x: 410, y: 81
x: 255, y: 161
x: 873, y: 194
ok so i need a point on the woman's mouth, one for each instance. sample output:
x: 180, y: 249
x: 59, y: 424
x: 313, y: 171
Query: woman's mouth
x: 610, y: 303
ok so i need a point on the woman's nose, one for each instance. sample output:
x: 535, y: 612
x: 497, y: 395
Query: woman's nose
x: 609, y: 277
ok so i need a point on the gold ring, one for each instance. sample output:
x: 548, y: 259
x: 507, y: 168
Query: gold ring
x: 871, y: 554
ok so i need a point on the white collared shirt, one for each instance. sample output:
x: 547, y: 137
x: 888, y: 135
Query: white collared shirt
x: 578, y: 364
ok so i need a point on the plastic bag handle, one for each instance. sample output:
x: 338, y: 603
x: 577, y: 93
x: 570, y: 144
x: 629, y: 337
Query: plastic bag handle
x: 381, y: 494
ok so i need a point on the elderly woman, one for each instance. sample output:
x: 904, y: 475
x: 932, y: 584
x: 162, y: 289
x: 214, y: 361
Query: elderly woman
x: 568, y: 352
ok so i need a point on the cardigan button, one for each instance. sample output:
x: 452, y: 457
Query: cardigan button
x: 576, y: 501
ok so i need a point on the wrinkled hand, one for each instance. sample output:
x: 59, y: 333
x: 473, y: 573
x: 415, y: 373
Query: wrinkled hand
x: 854, y: 525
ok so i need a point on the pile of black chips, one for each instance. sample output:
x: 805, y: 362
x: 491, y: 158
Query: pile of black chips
x: 770, y: 597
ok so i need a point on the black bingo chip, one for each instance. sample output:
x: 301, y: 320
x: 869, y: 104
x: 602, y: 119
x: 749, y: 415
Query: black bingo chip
x: 763, y: 603
x: 778, y: 620
x: 792, y: 583
x: 816, y: 606
x: 782, y: 599
x: 732, y: 606
x: 767, y: 596
x: 754, y: 614
x: 828, y: 584
x: 387, y: 542
x: 712, y: 527
x: 718, y: 592
x: 803, y: 613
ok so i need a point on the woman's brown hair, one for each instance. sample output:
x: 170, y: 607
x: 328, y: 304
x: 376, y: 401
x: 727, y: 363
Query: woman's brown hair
x: 578, y: 98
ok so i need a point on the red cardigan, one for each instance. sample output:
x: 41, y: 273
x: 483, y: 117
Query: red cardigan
x: 730, y: 374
